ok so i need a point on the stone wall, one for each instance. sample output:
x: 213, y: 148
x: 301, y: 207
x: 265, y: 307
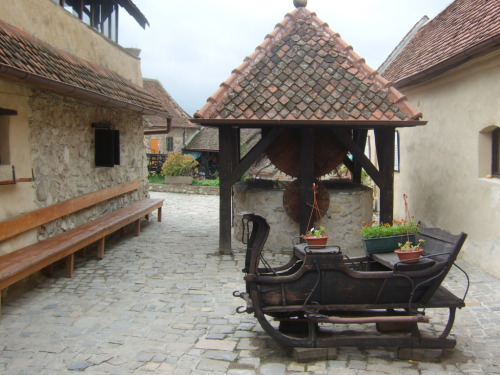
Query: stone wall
x: 185, y: 189
x: 349, y: 207
x: 62, y: 153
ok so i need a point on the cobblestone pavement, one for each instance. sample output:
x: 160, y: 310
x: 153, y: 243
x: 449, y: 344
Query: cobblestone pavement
x: 162, y: 303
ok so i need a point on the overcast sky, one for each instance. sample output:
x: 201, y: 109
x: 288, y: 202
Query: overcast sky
x: 192, y: 46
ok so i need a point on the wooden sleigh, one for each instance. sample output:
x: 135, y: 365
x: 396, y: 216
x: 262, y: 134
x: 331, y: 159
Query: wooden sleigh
x: 302, y: 303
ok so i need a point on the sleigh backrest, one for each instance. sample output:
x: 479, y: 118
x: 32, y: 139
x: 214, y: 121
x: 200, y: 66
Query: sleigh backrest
x: 442, y: 247
x: 256, y: 241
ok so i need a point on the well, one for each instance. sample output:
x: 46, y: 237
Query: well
x: 350, y: 205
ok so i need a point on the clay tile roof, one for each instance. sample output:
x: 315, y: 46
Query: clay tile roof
x: 33, y: 62
x: 207, y: 139
x: 179, y: 118
x: 305, y: 71
x: 463, y: 29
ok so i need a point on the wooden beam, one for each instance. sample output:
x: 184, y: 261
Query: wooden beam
x: 33, y: 219
x: 254, y: 154
x: 384, y: 139
x: 360, y: 139
x: 306, y: 177
x: 225, y: 198
x: 360, y: 156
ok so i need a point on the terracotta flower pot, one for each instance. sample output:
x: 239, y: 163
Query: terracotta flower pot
x: 316, y: 242
x: 409, y: 256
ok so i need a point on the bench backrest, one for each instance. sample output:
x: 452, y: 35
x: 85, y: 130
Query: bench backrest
x: 443, y: 247
x: 30, y: 220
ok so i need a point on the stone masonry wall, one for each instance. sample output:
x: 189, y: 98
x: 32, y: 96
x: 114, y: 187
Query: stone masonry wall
x: 62, y: 154
x: 349, y: 207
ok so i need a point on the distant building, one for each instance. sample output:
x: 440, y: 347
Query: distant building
x: 162, y: 136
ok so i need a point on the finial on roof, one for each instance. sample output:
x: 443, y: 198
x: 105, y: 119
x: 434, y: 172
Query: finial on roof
x: 300, y: 3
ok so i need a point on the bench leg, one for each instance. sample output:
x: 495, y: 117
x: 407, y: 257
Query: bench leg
x: 100, y: 248
x: 137, y: 225
x: 159, y: 213
x: 70, y: 265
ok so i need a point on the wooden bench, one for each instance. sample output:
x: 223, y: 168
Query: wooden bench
x: 23, y: 262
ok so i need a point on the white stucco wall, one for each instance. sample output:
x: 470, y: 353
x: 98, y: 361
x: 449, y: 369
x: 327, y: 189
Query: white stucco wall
x: 49, y: 22
x: 444, y: 164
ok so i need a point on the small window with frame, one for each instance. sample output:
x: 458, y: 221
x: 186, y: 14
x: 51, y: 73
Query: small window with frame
x: 5, y: 135
x: 170, y: 144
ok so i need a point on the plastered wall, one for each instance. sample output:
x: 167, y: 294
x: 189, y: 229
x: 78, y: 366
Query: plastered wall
x: 444, y: 165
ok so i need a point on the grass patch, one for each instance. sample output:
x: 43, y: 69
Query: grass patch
x: 156, y: 179
x: 206, y: 182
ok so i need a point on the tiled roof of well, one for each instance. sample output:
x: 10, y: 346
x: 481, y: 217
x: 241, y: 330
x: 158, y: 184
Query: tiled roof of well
x: 464, y: 28
x: 33, y: 62
x: 305, y: 71
x: 180, y: 119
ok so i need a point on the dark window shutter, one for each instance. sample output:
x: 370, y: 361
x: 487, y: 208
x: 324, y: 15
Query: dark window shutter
x: 107, y: 147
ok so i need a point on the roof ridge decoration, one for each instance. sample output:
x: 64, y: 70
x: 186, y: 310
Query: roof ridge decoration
x: 28, y: 60
x: 303, y: 70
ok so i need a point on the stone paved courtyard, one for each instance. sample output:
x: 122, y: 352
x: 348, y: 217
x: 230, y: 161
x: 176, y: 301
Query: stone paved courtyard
x: 162, y: 303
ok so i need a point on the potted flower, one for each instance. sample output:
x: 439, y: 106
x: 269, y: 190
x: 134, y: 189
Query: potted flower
x: 178, y: 168
x: 316, y: 238
x: 408, y: 252
x: 380, y: 238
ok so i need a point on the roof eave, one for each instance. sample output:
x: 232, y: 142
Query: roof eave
x: 134, y: 11
x: 34, y: 80
x: 259, y: 123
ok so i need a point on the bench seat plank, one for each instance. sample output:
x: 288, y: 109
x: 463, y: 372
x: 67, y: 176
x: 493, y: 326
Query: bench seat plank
x: 33, y: 219
x: 21, y: 263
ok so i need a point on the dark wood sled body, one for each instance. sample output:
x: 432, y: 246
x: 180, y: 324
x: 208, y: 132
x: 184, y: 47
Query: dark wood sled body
x: 301, y: 303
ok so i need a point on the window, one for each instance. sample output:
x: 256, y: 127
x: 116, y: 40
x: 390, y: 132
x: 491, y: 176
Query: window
x: 495, y: 153
x: 396, y: 151
x: 101, y: 15
x: 5, y: 135
x: 107, y: 145
x: 170, y: 144
x: 4, y: 140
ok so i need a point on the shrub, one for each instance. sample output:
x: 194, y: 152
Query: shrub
x: 178, y: 164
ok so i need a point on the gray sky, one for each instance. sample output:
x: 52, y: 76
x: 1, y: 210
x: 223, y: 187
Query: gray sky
x: 192, y: 46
